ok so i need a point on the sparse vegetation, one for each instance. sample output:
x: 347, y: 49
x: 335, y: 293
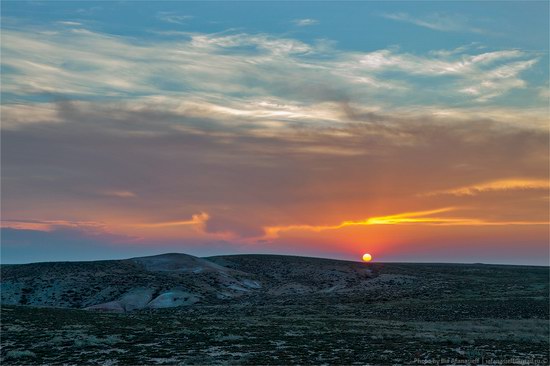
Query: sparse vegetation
x: 366, y: 314
x: 18, y: 355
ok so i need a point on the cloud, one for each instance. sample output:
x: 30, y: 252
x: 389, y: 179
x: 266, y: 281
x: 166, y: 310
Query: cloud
x: 422, y: 217
x: 70, y: 23
x: 305, y: 22
x: 438, y: 21
x: 505, y: 185
x: 222, y: 66
x: 119, y: 194
x: 248, y: 165
x: 409, y: 218
x: 498, y: 81
x: 174, y: 18
x: 458, y: 50
x: 51, y: 225
x: 544, y: 93
x: 199, y: 220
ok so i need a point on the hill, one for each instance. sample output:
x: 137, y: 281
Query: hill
x: 172, y: 280
x: 176, y: 309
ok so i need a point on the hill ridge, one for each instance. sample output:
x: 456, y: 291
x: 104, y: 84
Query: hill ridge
x: 179, y: 279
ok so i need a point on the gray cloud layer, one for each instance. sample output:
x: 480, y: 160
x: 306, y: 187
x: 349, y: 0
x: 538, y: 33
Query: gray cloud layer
x: 173, y: 165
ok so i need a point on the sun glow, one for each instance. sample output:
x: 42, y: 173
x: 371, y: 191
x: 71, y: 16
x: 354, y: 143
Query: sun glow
x: 408, y: 218
x: 367, y: 257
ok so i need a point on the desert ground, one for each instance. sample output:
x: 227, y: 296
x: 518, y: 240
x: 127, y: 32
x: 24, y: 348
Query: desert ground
x: 176, y: 309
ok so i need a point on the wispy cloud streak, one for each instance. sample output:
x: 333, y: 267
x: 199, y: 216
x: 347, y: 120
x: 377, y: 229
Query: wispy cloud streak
x: 438, y: 21
x: 79, y: 63
x: 505, y: 185
x: 408, y: 218
x: 305, y: 22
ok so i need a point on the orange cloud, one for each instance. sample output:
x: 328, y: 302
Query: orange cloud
x: 199, y: 219
x: 419, y: 217
x: 49, y: 225
x: 194, y: 228
x: 497, y: 185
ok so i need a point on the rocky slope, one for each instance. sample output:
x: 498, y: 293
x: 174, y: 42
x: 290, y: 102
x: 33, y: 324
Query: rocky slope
x: 123, y: 285
x: 174, y: 280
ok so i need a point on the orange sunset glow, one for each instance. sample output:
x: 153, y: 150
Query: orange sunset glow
x: 297, y: 138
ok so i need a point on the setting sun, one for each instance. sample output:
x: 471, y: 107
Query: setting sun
x: 367, y: 257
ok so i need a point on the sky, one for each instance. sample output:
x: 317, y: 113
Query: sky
x: 414, y: 131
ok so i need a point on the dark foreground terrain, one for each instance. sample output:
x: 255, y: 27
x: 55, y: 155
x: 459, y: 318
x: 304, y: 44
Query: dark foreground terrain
x: 260, y: 309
